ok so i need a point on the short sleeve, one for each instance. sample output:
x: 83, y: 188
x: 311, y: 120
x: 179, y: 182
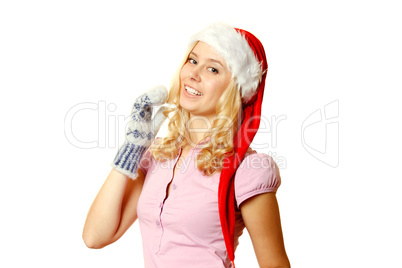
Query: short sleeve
x: 145, y: 162
x: 257, y: 174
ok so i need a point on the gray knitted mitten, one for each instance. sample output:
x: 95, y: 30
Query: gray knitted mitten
x: 141, y: 130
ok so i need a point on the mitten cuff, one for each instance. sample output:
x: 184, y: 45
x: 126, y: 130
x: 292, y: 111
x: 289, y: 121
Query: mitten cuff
x: 128, y: 158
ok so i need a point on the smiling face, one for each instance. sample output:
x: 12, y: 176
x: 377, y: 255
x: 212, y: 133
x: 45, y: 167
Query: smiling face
x: 203, y: 79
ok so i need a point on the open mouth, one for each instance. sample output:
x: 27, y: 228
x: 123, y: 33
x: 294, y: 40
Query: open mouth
x: 192, y: 91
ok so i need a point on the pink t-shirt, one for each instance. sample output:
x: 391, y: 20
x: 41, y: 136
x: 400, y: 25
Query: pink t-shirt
x: 183, y: 230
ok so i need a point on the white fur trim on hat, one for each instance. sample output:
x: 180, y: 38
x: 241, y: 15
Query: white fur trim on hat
x: 237, y: 53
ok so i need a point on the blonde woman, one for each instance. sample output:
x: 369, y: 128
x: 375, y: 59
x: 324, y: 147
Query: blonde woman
x: 196, y: 189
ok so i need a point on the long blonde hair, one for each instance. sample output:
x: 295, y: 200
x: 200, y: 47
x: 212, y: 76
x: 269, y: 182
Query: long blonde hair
x: 221, y: 134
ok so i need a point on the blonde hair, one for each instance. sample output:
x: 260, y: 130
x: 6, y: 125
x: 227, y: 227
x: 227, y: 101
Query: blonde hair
x: 223, y: 128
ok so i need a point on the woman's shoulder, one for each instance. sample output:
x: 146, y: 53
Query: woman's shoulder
x: 258, y: 173
x: 259, y: 160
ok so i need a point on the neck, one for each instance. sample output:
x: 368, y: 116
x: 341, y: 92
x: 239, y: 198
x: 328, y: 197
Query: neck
x: 198, y: 128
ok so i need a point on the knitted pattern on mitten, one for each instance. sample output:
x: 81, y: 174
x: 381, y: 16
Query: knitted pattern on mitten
x: 141, y: 131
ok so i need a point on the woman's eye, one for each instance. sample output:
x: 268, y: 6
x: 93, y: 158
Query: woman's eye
x: 192, y: 61
x: 211, y: 69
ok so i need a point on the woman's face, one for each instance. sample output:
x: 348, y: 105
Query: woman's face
x: 203, y: 79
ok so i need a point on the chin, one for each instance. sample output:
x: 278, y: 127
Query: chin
x: 185, y: 106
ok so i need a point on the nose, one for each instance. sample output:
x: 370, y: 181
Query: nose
x: 194, y: 74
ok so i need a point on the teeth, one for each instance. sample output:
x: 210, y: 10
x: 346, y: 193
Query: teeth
x: 192, y: 91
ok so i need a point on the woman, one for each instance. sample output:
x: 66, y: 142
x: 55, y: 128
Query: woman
x: 196, y: 189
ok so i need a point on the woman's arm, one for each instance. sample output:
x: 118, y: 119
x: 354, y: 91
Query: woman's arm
x: 261, y: 217
x: 114, y: 209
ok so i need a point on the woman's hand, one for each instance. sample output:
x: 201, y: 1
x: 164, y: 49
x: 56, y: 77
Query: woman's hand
x: 141, y: 130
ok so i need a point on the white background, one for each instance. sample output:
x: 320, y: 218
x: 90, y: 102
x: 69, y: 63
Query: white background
x: 58, y: 54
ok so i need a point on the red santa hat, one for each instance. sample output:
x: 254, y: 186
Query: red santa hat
x: 245, y: 57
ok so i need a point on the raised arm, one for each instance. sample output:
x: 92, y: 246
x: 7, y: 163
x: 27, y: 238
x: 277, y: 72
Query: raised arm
x: 114, y: 209
x: 261, y: 217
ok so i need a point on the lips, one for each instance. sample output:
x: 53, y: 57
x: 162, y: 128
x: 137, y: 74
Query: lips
x: 192, y: 91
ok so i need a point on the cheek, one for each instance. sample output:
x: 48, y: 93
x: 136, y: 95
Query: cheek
x: 217, y: 88
x: 183, y: 73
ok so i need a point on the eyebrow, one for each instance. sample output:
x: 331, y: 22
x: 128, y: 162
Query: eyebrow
x: 210, y: 59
